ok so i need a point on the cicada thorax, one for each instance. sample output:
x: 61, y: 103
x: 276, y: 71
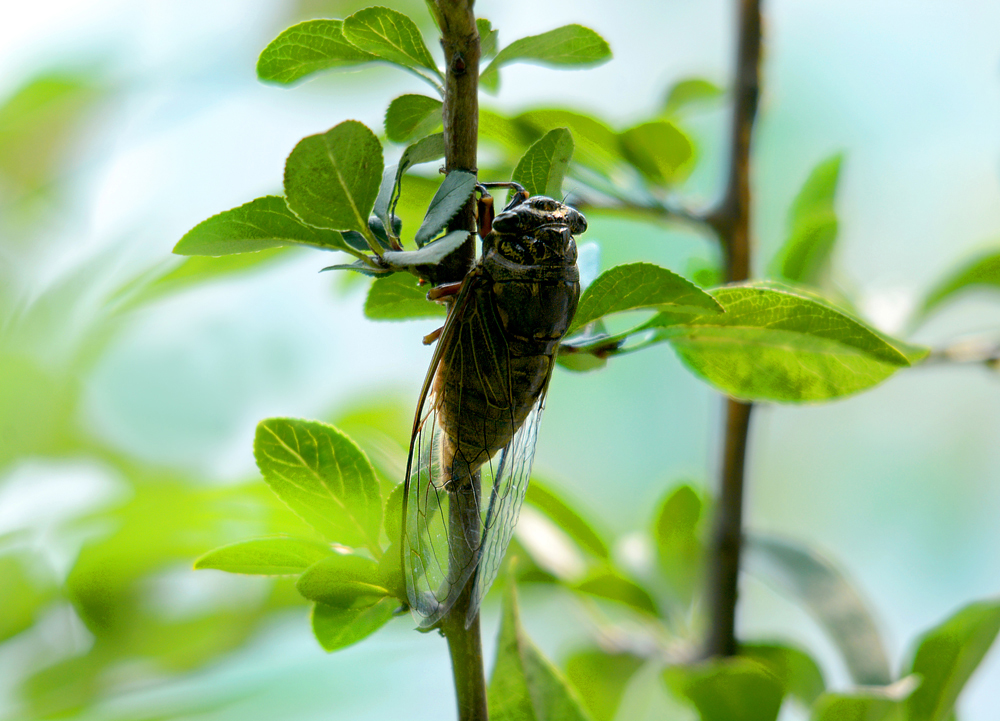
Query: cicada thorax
x: 520, y: 300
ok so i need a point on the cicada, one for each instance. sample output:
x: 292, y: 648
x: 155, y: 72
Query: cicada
x: 477, y: 419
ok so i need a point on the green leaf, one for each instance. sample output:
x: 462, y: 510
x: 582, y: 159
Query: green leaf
x: 565, y: 517
x: 871, y: 703
x: 542, y: 168
x: 332, y: 179
x: 525, y: 686
x: 398, y: 297
x: 337, y: 628
x: 568, y: 45
x: 24, y: 595
x: 487, y: 38
x: 390, y: 35
x: 982, y: 272
x: 423, y: 151
x: 640, y: 285
x: 658, y: 150
x: 824, y: 591
x: 343, y: 580
x: 691, y: 91
x: 600, y: 678
x: 306, y: 48
x: 731, y: 689
x: 322, y: 476
x: 37, y: 123
x: 948, y: 655
x: 430, y: 255
x: 812, y: 223
x: 458, y: 185
x: 776, y: 345
x: 412, y: 116
x: 615, y: 587
x: 678, y: 546
x: 274, y: 556
x: 596, y: 144
x: 260, y: 224
x: 799, y: 673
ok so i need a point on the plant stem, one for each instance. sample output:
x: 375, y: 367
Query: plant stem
x: 460, y: 115
x: 732, y: 222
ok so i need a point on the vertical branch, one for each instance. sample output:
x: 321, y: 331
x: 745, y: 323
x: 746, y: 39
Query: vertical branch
x: 732, y: 222
x: 460, y: 115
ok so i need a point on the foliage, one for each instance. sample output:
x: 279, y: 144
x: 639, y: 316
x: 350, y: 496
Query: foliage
x: 332, y: 522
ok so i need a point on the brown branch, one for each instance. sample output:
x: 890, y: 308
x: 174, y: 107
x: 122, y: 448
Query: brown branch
x: 460, y: 41
x: 460, y: 115
x: 732, y: 222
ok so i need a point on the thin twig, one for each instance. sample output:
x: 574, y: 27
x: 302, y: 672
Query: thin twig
x: 732, y: 222
x: 460, y: 115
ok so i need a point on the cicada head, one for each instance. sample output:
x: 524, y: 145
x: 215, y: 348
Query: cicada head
x: 538, y: 231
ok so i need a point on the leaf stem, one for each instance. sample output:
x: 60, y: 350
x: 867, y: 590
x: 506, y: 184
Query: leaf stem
x: 460, y: 116
x: 731, y: 220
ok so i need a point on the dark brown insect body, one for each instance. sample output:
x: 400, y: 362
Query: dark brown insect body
x: 483, y: 397
x: 519, y: 302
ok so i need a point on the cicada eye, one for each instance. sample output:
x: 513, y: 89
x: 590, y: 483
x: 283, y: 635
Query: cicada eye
x: 547, y: 205
x: 575, y: 220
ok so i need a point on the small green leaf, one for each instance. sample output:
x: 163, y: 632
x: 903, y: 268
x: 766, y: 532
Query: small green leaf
x: 38, y: 121
x: 542, y: 168
x: 982, y: 272
x: 833, y: 601
x: 24, y: 595
x: 691, y: 91
x: 274, y: 556
x: 458, y: 185
x: 322, y: 476
x: 678, y: 546
x: 343, y: 580
x: 423, y: 151
x: 306, y: 48
x: 777, y: 345
x: 430, y: 255
x: 658, y: 150
x: 565, y: 517
x: 600, y: 678
x: 870, y: 703
x: 412, y: 116
x: 812, y: 223
x: 731, y: 689
x: 614, y: 587
x: 487, y: 38
x: 568, y: 45
x: 640, y: 285
x: 398, y: 297
x: 390, y: 35
x: 337, y: 628
x: 525, y: 686
x: 798, y: 672
x: 260, y: 224
x: 392, y: 516
x: 948, y: 655
x: 378, y: 222
x: 596, y: 144
x: 332, y: 179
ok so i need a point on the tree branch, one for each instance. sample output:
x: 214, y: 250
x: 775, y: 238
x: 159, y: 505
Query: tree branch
x: 460, y: 115
x: 731, y: 220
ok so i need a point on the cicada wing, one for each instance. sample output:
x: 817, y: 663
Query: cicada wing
x: 507, y: 475
x: 436, y: 566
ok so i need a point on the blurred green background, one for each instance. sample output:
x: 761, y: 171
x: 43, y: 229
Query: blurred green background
x: 130, y: 385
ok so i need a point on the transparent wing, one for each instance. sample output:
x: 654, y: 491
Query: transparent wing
x: 435, y: 568
x: 474, y: 389
x: 509, y: 484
